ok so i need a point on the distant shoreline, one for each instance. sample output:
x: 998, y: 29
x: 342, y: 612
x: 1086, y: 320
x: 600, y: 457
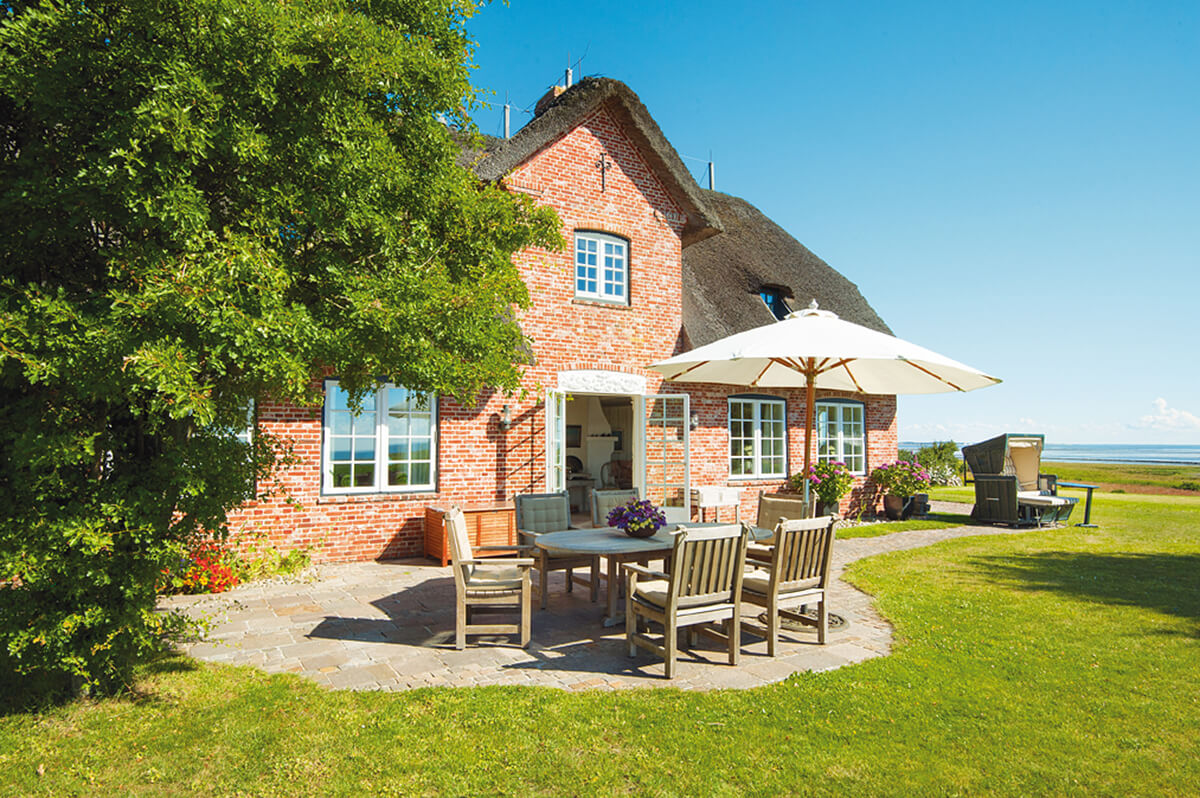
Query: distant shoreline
x: 1115, y: 453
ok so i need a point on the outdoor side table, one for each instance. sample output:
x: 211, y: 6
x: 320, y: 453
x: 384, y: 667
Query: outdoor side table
x: 1087, y: 507
x: 617, y: 547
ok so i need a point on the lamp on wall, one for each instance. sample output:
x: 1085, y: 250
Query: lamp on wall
x: 695, y: 420
x: 506, y: 417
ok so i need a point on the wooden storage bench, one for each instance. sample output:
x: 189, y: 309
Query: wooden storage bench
x: 486, y: 526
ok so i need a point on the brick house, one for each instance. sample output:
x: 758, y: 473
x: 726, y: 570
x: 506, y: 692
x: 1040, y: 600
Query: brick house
x: 654, y: 265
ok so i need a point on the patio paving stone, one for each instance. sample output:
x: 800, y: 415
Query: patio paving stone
x: 390, y: 626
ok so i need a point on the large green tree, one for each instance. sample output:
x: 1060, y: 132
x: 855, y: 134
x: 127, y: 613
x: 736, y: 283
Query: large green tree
x: 204, y: 202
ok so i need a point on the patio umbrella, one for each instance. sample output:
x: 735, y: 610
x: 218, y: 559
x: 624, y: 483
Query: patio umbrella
x: 813, y: 348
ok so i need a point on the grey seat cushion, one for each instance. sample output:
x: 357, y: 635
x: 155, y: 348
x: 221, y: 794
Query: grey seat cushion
x: 494, y: 577
x: 544, y: 513
x: 654, y: 593
x: 760, y: 582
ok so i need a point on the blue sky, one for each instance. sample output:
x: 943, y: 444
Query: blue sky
x: 1015, y: 185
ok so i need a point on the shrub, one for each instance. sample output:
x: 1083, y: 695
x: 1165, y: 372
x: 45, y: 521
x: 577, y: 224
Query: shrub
x: 1188, y: 485
x: 940, y: 460
x: 901, y: 478
x: 206, y: 567
x: 830, y: 481
x: 257, y: 558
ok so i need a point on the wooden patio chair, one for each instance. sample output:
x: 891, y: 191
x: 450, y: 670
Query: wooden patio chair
x: 792, y: 571
x: 485, y: 584
x: 776, y: 507
x: 603, y: 502
x: 704, y: 587
x: 539, y: 513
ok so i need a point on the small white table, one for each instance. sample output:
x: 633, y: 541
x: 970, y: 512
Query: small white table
x: 617, y: 547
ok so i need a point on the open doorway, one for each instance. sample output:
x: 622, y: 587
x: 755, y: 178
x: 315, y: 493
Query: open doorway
x: 598, y: 443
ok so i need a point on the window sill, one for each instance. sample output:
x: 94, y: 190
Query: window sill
x: 424, y: 494
x: 601, y: 303
x: 741, y: 482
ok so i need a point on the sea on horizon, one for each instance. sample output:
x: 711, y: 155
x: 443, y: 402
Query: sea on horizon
x: 1160, y: 454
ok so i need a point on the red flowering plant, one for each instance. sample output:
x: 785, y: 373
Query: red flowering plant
x: 206, y: 567
x: 637, y: 516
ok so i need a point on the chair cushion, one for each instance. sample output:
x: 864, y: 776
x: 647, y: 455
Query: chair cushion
x: 655, y: 591
x: 773, y: 508
x: 495, y: 577
x: 760, y: 582
x: 545, y: 513
x: 1032, y: 497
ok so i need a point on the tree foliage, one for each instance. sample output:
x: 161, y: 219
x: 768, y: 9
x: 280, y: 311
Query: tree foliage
x: 207, y: 202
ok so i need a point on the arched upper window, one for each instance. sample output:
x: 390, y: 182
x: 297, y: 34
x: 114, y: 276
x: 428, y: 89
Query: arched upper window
x: 601, y: 267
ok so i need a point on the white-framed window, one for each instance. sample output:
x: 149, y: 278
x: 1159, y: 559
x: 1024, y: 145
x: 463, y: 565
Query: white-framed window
x: 757, y: 437
x: 601, y: 267
x: 842, y: 434
x: 390, y: 444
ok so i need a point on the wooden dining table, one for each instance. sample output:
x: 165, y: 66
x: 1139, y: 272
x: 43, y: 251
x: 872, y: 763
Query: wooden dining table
x: 617, y: 547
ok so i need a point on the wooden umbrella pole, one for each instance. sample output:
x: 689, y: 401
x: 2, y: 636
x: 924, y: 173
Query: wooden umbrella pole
x: 810, y: 391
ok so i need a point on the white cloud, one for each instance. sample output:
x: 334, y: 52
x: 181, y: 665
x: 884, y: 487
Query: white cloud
x: 1167, y: 418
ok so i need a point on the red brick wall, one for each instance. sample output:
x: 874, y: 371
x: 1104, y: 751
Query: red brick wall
x: 480, y: 464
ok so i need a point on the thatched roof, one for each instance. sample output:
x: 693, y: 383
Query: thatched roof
x: 731, y: 250
x: 561, y: 114
x: 724, y: 275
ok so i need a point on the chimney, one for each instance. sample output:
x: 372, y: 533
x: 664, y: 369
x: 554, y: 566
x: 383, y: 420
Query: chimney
x: 548, y: 98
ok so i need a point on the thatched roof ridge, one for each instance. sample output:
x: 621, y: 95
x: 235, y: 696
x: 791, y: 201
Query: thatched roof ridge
x: 723, y: 275
x: 557, y: 118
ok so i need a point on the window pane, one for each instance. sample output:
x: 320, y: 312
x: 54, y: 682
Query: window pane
x: 397, y: 424
x: 339, y: 448
x: 420, y: 449
x: 398, y: 449
x: 364, y: 448
x: 341, y: 476
x: 420, y: 474
x: 421, y: 425
x: 364, y: 475
x: 364, y: 424
x: 398, y: 474
x: 342, y: 423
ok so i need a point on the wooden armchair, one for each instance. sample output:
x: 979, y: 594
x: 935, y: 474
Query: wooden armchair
x: 704, y: 586
x: 485, y: 585
x: 603, y: 502
x: 776, y: 507
x: 792, y: 571
x: 539, y: 513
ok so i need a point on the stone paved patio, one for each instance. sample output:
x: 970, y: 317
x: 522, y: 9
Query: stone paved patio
x: 389, y: 626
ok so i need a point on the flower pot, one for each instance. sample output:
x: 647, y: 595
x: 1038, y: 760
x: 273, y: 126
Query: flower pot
x: 644, y: 531
x: 827, y: 508
x: 897, y: 507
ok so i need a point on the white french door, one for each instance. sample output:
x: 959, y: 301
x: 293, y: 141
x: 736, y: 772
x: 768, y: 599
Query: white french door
x: 556, y: 433
x: 664, y: 454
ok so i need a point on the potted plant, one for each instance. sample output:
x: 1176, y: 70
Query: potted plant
x: 901, y: 481
x: 830, y: 481
x: 637, y: 518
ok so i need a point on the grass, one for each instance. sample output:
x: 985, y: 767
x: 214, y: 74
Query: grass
x: 933, y: 521
x: 1057, y: 661
x: 1129, y: 477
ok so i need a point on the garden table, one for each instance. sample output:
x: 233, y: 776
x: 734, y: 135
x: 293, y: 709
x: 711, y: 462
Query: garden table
x: 617, y: 547
x: 1087, y: 508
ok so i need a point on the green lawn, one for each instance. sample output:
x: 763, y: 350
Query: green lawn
x: 1057, y: 661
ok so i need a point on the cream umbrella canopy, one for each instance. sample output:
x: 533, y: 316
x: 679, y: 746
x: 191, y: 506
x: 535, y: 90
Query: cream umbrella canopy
x: 813, y: 348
